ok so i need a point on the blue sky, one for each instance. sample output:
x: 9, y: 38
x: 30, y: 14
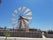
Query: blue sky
x: 42, y: 12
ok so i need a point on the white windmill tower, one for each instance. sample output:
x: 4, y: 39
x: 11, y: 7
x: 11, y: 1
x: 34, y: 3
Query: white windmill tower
x: 21, y: 17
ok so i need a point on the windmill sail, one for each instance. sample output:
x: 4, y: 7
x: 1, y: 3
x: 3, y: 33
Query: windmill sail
x: 21, y: 16
x: 26, y: 21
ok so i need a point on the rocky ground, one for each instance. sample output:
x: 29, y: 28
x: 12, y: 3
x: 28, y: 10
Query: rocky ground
x: 22, y: 38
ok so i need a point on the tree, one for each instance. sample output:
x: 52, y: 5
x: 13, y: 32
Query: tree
x: 7, y: 34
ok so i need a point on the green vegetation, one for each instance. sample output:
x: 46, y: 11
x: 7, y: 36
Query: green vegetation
x: 7, y: 34
x: 15, y: 39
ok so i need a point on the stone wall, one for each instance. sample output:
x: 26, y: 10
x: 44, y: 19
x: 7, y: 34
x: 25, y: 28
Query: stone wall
x: 24, y: 34
x: 27, y: 34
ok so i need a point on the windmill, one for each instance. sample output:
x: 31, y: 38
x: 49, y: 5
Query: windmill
x: 21, y: 18
x: 0, y: 1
